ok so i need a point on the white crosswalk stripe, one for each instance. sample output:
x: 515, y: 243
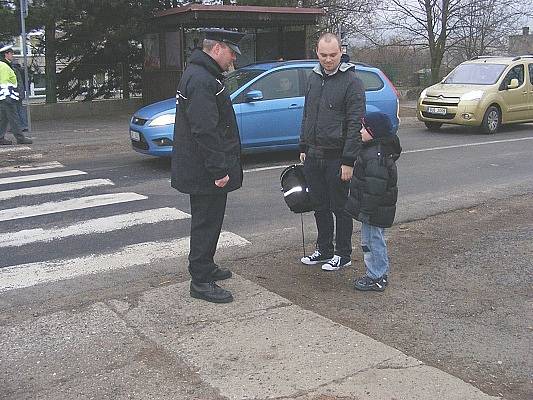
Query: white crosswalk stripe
x: 21, y: 157
x: 58, y: 188
x: 92, y: 226
x: 26, y: 275
x: 68, y: 266
x: 39, y: 177
x: 14, y: 149
x: 68, y: 205
x: 30, y: 167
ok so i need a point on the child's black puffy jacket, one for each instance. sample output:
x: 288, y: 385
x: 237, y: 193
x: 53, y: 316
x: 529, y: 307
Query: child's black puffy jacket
x: 373, y: 189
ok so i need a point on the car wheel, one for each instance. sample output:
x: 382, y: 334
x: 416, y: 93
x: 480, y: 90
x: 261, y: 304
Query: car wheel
x: 433, y: 126
x: 491, y: 121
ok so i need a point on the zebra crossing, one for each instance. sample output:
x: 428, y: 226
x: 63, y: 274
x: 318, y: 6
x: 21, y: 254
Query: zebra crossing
x: 35, y: 193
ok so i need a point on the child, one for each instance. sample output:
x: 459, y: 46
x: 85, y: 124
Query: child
x: 373, y: 195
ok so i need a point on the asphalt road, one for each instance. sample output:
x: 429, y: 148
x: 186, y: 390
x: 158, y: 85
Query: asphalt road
x: 441, y: 174
x: 438, y: 172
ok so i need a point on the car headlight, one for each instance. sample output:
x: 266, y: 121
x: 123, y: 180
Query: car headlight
x: 165, y: 119
x: 473, y: 95
x: 423, y: 94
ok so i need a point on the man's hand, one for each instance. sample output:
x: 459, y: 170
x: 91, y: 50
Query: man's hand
x: 346, y: 173
x: 222, y: 182
x: 302, y: 157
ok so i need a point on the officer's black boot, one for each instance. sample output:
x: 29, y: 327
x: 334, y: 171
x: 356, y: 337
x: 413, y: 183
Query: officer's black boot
x: 5, y: 142
x: 210, y: 292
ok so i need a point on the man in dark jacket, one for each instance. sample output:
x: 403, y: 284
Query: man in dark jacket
x: 206, y: 156
x: 373, y: 195
x: 329, y: 144
x: 21, y: 89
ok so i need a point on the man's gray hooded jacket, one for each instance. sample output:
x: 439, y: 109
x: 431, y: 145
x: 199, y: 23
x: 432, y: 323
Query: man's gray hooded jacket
x: 334, y: 106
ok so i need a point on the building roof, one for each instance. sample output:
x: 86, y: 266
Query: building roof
x: 200, y: 15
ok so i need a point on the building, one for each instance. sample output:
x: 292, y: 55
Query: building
x: 520, y: 45
x: 35, y: 62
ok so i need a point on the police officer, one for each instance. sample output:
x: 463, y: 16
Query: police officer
x: 9, y: 97
x: 206, y: 155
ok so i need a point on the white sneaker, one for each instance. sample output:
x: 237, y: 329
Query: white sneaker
x: 336, y: 263
x: 316, y: 258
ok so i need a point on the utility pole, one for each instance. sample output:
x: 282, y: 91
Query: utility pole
x: 23, y: 15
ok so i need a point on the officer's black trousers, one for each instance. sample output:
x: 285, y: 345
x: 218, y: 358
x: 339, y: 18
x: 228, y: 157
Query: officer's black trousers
x: 9, y: 116
x: 207, y: 213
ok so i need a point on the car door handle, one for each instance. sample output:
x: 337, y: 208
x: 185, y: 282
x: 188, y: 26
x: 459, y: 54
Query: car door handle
x: 294, y: 106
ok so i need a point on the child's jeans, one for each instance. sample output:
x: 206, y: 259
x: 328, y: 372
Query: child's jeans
x: 374, y: 250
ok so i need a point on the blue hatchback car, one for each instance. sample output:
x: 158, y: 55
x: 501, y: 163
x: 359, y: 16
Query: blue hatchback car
x: 268, y: 99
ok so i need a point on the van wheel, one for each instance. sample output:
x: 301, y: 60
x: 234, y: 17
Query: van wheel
x: 491, y: 121
x: 433, y: 126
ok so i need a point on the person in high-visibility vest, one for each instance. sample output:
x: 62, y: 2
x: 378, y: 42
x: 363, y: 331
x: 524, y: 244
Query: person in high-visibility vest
x: 9, y: 97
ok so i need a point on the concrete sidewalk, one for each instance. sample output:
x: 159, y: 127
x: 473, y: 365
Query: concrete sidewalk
x: 166, y: 345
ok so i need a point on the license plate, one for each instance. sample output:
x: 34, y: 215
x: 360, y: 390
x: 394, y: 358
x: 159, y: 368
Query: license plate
x: 437, y: 110
x: 135, y: 136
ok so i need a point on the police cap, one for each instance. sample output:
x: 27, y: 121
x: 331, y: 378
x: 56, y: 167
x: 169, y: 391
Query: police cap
x: 230, y: 38
x: 4, y: 48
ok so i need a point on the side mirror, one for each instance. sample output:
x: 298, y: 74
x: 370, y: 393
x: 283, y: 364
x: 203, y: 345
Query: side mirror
x: 253, y: 95
x: 513, y: 84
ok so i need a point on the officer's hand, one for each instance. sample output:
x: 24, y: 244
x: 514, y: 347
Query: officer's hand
x: 302, y: 157
x: 346, y: 173
x: 222, y: 182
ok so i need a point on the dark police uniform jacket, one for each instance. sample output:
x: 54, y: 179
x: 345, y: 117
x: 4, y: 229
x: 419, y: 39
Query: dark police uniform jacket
x: 206, y: 145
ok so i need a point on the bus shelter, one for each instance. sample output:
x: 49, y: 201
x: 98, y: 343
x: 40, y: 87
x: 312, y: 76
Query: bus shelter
x: 272, y: 33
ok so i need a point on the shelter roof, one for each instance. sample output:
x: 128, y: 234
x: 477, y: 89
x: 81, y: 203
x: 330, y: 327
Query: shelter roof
x: 200, y: 15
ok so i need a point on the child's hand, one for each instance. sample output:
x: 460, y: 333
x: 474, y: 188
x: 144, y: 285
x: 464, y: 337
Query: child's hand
x: 365, y: 136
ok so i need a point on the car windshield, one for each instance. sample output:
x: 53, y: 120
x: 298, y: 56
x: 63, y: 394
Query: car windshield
x: 476, y: 74
x: 240, y: 77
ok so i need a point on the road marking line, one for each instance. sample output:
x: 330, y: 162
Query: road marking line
x: 26, y: 275
x: 406, y: 151
x: 39, y: 177
x: 24, y: 157
x: 56, y: 188
x: 34, y: 167
x: 54, y: 207
x: 13, y: 149
x: 467, y: 145
x: 97, y: 225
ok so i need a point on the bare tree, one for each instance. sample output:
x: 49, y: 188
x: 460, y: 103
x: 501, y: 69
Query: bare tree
x: 343, y: 16
x: 466, y: 28
x: 430, y: 22
x: 485, y: 27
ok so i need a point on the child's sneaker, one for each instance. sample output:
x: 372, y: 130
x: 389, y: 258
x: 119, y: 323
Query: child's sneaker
x: 316, y: 258
x: 366, y: 283
x: 336, y: 263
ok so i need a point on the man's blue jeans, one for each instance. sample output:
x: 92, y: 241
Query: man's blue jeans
x: 374, y: 250
x: 330, y: 195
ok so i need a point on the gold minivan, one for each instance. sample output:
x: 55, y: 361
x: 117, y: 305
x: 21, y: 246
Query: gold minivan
x: 486, y: 92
